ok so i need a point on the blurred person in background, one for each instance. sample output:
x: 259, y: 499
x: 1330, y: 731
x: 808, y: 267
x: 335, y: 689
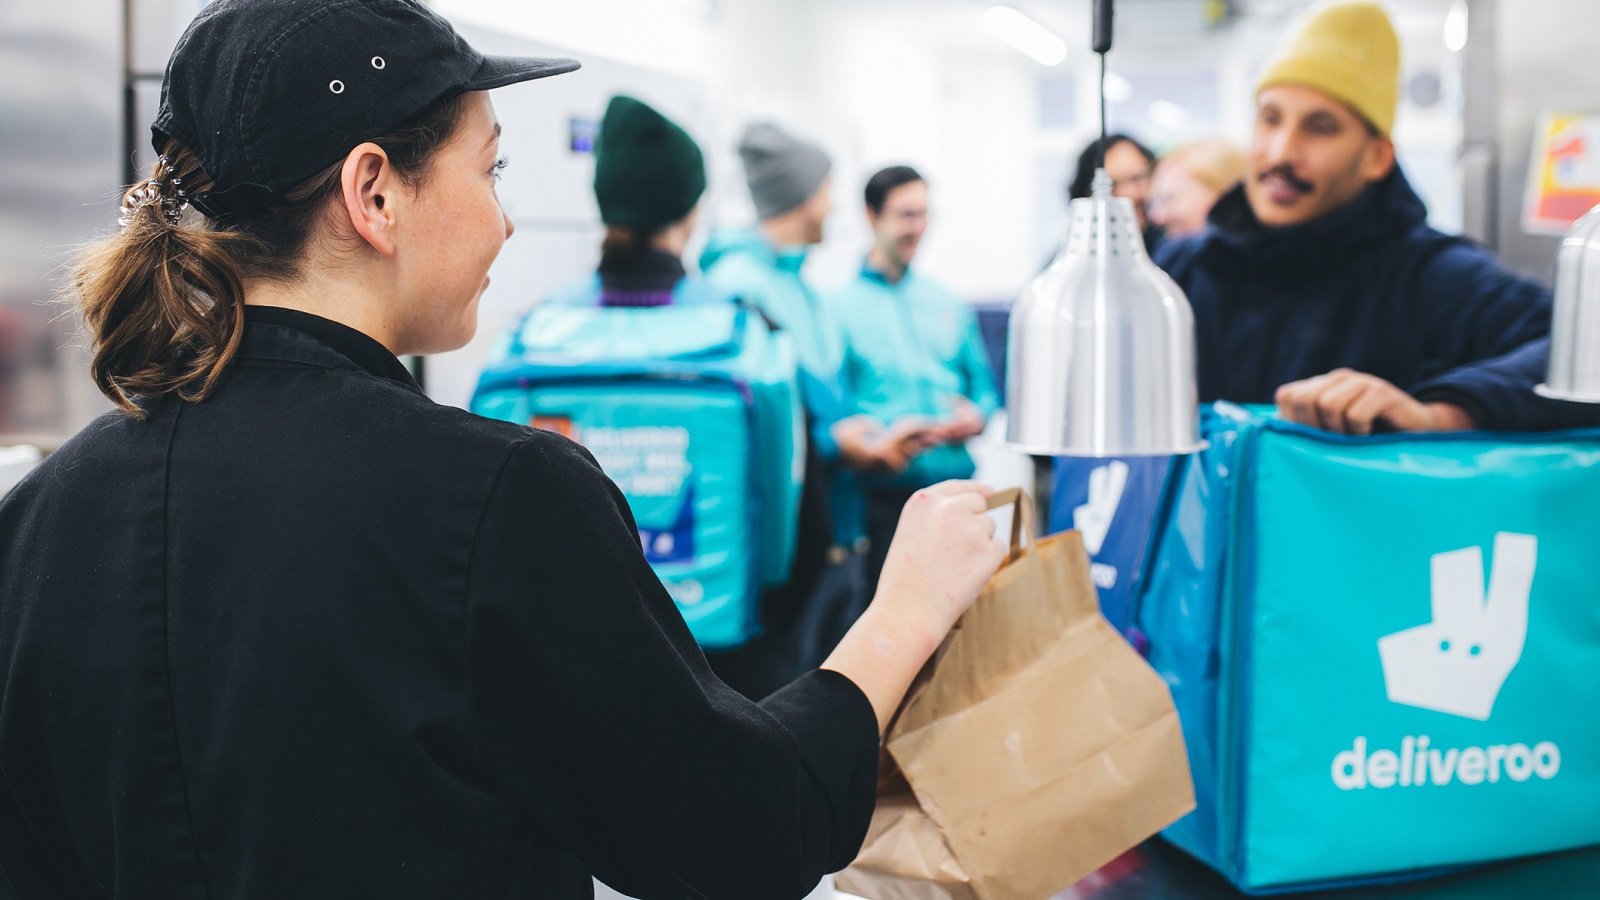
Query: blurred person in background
x: 789, y: 179
x: 649, y: 176
x: 1131, y: 166
x: 1318, y: 284
x: 914, y: 358
x: 1187, y: 183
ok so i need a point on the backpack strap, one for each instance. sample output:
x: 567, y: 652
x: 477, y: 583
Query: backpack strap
x: 748, y: 306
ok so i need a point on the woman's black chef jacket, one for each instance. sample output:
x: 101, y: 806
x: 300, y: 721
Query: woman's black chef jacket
x: 317, y: 636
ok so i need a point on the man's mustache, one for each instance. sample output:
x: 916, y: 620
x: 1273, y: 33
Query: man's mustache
x: 1286, y: 172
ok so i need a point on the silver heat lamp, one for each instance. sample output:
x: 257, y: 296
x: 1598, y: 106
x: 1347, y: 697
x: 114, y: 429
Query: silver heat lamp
x: 1101, y: 353
x: 1101, y: 358
x: 1575, y: 329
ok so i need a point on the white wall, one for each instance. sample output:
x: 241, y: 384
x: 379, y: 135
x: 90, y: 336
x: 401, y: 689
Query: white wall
x: 871, y: 85
x: 878, y: 82
x: 666, y: 35
x: 916, y: 90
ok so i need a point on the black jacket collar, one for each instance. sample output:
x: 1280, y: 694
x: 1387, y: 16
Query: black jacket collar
x: 640, y: 270
x: 273, y: 332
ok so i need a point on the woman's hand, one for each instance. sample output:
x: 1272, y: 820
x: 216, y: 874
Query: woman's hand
x: 943, y: 552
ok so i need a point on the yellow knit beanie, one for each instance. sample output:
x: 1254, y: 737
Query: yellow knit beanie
x: 1350, y: 51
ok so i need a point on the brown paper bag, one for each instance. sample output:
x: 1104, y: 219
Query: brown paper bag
x: 1037, y: 746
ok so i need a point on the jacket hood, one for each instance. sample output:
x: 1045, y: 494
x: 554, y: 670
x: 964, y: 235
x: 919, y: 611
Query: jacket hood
x: 732, y: 242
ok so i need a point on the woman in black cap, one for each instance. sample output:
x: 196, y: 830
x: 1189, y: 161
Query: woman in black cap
x: 282, y: 627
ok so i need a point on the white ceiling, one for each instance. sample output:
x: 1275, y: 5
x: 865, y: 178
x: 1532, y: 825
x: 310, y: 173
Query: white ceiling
x: 1141, y: 25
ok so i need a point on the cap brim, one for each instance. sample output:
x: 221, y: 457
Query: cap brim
x: 499, y: 71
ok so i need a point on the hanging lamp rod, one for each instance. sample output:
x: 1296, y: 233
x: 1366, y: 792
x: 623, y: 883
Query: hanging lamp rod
x: 1102, y: 45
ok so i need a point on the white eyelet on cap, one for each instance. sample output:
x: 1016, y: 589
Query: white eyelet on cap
x: 378, y: 63
x: 336, y: 86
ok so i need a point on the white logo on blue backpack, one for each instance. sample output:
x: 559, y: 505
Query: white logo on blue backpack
x: 1093, y: 519
x: 1457, y: 663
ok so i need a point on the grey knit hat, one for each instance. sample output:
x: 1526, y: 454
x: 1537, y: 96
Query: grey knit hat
x: 782, y: 170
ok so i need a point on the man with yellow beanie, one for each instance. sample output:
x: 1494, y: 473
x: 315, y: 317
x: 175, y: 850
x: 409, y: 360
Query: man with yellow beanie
x: 1317, y: 283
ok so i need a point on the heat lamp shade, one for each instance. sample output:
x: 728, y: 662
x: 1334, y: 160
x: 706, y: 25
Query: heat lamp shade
x: 1575, y: 330
x: 1101, y: 359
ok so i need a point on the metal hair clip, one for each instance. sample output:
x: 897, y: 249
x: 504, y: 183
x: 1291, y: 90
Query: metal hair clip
x: 153, y: 192
x: 137, y: 199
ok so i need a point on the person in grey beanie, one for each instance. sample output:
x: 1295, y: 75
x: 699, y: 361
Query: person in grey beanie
x: 783, y: 171
x: 789, y: 181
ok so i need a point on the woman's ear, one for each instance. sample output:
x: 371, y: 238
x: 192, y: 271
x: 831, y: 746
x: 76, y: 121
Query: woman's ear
x: 368, y: 185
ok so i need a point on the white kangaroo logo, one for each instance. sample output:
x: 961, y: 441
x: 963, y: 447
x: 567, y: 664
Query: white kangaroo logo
x: 1457, y: 663
x: 1093, y: 519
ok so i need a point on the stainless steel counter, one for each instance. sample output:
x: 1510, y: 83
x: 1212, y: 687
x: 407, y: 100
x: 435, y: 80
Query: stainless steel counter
x: 1158, y: 871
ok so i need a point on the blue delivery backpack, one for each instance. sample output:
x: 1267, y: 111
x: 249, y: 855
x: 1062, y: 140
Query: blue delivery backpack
x: 1113, y: 503
x: 694, y: 412
x: 1385, y: 651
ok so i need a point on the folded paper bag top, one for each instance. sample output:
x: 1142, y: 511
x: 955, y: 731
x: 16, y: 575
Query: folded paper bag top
x: 1038, y: 745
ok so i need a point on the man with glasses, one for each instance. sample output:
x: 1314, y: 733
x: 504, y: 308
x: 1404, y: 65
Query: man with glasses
x: 914, y: 358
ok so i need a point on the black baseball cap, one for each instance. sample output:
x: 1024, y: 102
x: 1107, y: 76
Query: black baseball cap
x: 267, y: 93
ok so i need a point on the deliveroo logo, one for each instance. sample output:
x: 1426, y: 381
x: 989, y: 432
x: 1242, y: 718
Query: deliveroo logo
x: 1457, y: 663
x: 1093, y: 519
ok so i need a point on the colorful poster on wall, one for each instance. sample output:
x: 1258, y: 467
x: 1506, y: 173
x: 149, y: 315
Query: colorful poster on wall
x: 1564, y: 177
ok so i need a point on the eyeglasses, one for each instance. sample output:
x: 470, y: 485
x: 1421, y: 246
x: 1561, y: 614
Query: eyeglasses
x: 907, y: 216
x: 1132, y: 181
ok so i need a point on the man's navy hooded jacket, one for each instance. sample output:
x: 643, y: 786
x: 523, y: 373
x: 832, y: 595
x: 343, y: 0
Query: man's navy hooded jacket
x: 1372, y: 288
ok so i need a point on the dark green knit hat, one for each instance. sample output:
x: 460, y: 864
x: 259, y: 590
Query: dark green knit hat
x: 648, y: 172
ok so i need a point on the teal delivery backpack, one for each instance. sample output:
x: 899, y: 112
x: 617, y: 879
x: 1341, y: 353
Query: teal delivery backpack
x: 694, y: 412
x: 1385, y: 651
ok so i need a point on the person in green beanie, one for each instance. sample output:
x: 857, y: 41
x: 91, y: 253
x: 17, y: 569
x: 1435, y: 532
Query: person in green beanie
x: 649, y: 175
x: 648, y: 180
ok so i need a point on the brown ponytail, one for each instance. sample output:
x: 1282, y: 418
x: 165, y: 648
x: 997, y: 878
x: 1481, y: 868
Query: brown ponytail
x: 161, y: 298
x: 164, y: 297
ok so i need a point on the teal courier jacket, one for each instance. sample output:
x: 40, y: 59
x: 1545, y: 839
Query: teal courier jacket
x: 743, y: 263
x: 687, y: 292
x: 912, y: 349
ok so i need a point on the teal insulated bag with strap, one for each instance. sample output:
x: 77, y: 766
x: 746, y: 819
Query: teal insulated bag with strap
x: 694, y: 412
x: 1385, y: 651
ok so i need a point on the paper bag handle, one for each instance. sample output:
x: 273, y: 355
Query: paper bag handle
x: 1021, y: 514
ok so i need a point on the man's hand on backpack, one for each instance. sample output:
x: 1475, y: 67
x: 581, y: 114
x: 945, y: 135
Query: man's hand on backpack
x: 1351, y: 402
